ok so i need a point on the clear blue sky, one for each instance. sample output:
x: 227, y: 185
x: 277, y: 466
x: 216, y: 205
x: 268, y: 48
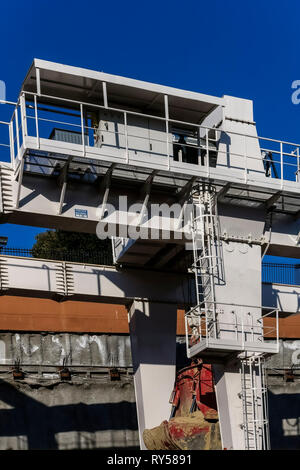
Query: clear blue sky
x: 246, y: 49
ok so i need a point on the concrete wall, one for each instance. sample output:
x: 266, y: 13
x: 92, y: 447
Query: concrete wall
x: 89, y: 411
x: 284, y: 409
x: 51, y: 349
x: 86, y: 414
x: 288, y: 356
x: 284, y: 396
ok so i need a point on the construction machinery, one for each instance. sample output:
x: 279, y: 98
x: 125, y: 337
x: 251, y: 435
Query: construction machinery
x: 193, y: 422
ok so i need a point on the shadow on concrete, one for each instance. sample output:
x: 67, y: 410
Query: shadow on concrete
x: 284, y: 419
x: 39, y: 424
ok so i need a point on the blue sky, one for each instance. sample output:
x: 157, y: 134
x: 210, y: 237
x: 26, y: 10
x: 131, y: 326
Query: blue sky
x: 247, y: 49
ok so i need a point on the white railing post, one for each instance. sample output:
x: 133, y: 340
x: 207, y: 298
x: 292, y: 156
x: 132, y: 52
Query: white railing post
x: 36, y: 123
x: 207, y: 152
x: 243, y: 338
x: 23, y: 117
x: 82, y: 129
x: 199, y: 145
x: 104, y: 90
x: 11, y: 144
x: 200, y: 327
x: 246, y: 161
x: 17, y: 130
x: 126, y: 138
x: 298, y: 163
x: 281, y: 164
x: 186, y: 335
x: 206, y: 326
x: 166, y: 101
x: 277, y: 330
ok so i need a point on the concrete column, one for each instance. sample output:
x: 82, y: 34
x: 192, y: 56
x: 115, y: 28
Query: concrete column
x: 153, y: 346
x: 230, y: 407
x: 241, y: 285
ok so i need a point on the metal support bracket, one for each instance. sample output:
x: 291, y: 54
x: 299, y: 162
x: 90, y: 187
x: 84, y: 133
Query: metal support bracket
x: 105, y: 184
x: 62, y: 181
x: 145, y: 191
x: 20, y: 179
x: 272, y: 200
x: 223, y: 191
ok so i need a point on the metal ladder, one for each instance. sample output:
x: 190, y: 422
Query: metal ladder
x: 206, y: 251
x: 255, y: 407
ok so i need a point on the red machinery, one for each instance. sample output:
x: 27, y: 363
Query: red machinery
x: 194, y: 418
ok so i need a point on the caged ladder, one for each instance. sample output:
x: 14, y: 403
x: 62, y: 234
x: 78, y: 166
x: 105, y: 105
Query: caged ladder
x: 208, y: 269
x: 206, y: 253
x: 255, y: 404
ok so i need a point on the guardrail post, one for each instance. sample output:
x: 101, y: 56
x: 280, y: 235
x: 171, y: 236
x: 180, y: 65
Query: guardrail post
x: 167, y: 128
x: 36, y: 123
x: 243, y: 338
x: 126, y: 137
x: 186, y: 336
x: 23, y: 117
x: 246, y: 161
x: 207, y: 152
x: 277, y: 330
x: 82, y: 129
x: 17, y: 130
x: 11, y: 144
x: 281, y: 164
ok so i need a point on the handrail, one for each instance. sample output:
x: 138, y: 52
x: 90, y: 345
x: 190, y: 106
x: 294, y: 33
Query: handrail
x: 135, y: 113
x: 80, y: 256
x: 202, y: 133
x: 264, y: 307
x: 239, y: 327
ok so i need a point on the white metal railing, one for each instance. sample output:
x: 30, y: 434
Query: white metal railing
x: 11, y: 133
x: 31, y: 118
x: 255, y: 403
x: 248, y: 325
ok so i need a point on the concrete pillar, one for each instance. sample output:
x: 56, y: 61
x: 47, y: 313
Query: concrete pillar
x: 153, y: 346
x: 241, y: 285
x: 228, y: 388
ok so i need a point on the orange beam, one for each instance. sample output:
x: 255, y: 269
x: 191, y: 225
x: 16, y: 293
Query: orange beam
x: 289, y: 327
x: 36, y: 314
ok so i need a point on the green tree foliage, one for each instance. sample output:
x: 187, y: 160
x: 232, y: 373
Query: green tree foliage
x: 72, y: 246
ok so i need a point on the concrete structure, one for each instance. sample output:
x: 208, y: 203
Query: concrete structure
x: 95, y: 152
x: 89, y: 357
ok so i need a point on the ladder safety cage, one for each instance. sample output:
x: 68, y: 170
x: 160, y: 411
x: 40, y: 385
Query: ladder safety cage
x: 255, y: 403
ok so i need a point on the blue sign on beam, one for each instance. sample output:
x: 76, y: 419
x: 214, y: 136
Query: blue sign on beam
x: 81, y: 213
